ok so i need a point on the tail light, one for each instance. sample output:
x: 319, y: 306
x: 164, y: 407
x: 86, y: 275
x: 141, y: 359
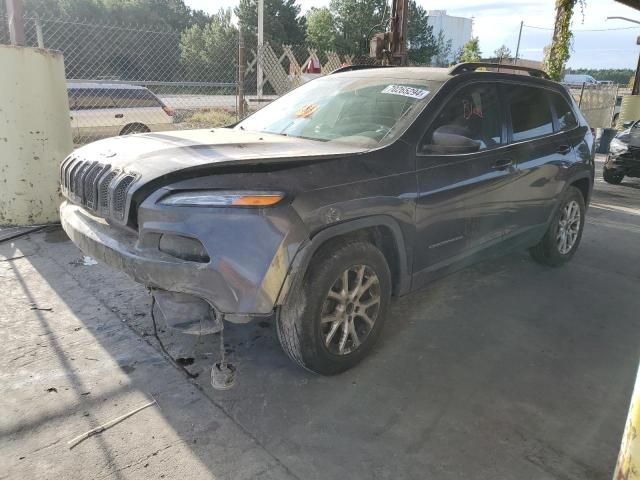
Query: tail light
x: 169, y: 112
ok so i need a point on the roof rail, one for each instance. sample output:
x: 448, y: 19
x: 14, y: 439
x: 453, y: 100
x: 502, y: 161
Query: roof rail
x: 473, y: 66
x: 349, y: 68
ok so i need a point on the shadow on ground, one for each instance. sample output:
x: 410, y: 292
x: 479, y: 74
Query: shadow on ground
x: 504, y: 370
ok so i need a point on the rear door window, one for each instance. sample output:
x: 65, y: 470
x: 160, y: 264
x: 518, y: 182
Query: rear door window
x: 469, y: 122
x: 564, y: 113
x: 134, y: 98
x: 530, y: 112
x: 90, y: 99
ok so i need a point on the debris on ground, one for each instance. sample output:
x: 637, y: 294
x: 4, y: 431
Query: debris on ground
x: 42, y: 309
x: 94, y: 431
x: 87, y: 261
x: 52, y: 390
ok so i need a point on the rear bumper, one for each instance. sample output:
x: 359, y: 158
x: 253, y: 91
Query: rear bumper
x: 233, y: 282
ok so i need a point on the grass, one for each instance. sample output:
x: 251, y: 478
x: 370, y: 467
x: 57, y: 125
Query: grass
x: 214, y: 117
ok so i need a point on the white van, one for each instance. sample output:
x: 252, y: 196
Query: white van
x: 101, y: 110
x: 576, y: 80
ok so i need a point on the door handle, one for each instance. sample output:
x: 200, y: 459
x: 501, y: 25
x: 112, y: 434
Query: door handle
x: 502, y: 164
x: 119, y: 115
x: 564, y: 149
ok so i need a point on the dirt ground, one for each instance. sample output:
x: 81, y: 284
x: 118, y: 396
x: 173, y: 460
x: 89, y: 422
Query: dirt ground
x: 505, y: 370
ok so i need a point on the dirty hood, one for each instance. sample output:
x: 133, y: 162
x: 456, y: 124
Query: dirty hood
x: 151, y: 155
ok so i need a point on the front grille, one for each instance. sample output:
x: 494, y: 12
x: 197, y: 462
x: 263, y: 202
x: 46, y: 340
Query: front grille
x: 103, y: 192
x: 120, y: 195
x: 96, y: 186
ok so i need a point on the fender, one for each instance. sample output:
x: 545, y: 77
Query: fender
x: 304, y: 255
x: 574, y: 177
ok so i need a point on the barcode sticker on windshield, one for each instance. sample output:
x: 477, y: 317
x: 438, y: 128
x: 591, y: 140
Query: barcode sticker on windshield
x: 406, y: 91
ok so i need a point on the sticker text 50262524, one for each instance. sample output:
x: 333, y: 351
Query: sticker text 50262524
x: 405, y: 91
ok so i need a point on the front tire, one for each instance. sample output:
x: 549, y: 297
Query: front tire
x: 562, y: 238
x: 614, y: 178
x: 331, y: 320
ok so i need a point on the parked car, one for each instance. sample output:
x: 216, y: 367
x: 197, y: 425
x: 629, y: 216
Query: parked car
x: 577, y: 80
x: 101, y: 110
x: 624, y: 154
x: 360, y: 185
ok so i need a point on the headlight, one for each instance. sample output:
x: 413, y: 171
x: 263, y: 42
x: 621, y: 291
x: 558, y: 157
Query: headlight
x: 617, y: 147
x: 212, y: 198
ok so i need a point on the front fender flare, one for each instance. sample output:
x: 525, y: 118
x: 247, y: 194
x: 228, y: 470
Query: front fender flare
x: 304, y: 255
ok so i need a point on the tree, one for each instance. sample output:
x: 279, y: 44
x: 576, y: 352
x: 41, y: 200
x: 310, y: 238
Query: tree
x: 321, y: 29
x: 422, y: 45
x: 171, y: 13
x: 457, y: 55
x: 443, y: 50
x: 557, y: 55
x: 282, y: 22
x: 616, y: 75
x: 357, y: 21
x: 471, y: 51
x: 502, y: 53
x: 204, y: 50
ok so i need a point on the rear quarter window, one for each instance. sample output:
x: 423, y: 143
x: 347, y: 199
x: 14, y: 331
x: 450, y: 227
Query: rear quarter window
x: 530, y: 112
x: 564, y: 112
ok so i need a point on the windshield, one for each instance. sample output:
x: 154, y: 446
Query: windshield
x: 361, y: 110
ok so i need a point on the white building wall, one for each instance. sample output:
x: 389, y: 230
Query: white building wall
x: 456, y: 29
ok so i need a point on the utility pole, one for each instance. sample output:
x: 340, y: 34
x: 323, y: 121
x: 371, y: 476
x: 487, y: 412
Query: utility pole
x: 259, y: 72
x: 515, y: 60
x: 15, y: 15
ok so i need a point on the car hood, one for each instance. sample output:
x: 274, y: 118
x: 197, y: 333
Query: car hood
x: 151, y: 155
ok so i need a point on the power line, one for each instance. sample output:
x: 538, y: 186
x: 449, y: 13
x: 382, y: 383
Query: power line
x: 586, y: 29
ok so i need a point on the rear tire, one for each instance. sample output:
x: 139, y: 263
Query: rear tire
x: 328, y: 326
x: 614, y: 178
x: 134, y: 128
x: 562, y: 238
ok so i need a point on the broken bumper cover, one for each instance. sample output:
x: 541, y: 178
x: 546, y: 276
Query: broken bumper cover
x: 242, y: 278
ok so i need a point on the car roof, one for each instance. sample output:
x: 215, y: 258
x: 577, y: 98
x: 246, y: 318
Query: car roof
x: 116, y: 86
x: 418, y: 73
x: 437, y: 74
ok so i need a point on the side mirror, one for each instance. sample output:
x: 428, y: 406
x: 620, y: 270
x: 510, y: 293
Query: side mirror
x: 450, y: 139
x: 627, y: 124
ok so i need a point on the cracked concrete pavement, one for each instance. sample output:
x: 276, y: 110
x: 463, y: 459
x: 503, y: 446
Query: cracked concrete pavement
x: 503, y: 370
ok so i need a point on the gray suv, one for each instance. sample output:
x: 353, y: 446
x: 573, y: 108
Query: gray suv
x: 358, y: 186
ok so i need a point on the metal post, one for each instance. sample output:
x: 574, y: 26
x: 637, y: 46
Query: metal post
x: 15, y: 14
x: 39, y: 33
x: 259, y: 71
x: 242, y: 66
x: 515, y: 60
x: 636, y: 80
x: 581, y: 92
x: 630, y: 447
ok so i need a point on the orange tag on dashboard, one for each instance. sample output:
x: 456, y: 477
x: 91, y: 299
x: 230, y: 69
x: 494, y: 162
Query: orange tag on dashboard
x: 306, y: 111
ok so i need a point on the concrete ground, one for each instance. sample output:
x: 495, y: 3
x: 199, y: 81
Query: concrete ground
x: 506, y: 370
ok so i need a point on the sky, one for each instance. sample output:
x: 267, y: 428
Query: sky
x: 598, y: 43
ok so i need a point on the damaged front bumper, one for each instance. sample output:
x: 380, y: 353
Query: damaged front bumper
x: 248, y: 260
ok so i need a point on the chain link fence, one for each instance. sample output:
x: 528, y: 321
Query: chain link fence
x: 597, y: 103
x: 134, y: 78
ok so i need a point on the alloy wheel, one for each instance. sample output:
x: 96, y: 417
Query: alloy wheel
x: 350, y: 310
x: 568, y: 227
